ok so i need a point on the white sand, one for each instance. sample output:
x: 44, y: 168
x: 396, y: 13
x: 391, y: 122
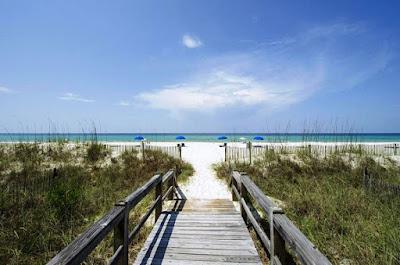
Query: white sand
x: 203, y: 184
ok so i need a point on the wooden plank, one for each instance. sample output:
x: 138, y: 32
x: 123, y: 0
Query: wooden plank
x: 204, y: 251
x: 179, y: 228
x: 193, y: 257
x: 202, y: 244
x: 167, y: 261
x: 200, y: 234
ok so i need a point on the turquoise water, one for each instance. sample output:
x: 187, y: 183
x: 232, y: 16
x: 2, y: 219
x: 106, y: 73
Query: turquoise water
x: 204, y: 137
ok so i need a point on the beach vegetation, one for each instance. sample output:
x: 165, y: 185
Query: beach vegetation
x: 52, y: 192
x: 327, y: 199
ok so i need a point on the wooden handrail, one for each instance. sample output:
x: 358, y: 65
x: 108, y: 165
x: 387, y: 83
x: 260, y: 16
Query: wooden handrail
x: 284, y: 231
x: 117, y: 219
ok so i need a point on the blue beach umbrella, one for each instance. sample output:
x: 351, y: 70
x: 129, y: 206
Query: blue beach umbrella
x: 258, y: 138
x: 139, y: 138
x: 222, y: 137
x: 180, y: 137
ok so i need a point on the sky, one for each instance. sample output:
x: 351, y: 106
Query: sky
x: 199, y: 66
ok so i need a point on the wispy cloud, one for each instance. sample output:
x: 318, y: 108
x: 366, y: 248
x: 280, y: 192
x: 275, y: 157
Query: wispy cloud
x: 221, y: 89
x: 5, y: 90
x: 290, y: 70
x: 75, y: 97
x: 124, y: 103
x: 190, y: 41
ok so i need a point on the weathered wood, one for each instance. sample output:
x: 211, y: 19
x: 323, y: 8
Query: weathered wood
x: 134, y: 198
x: 206, y: 238
x: 280, y: 249
x: 234, y: 184
x: 168, y: 176
x: 243, y: 196
x: 158, y: 193
x: 117, y: 220
x: 168, y: 193
x: 285, y: 231
x: 80, y: 248
x: 121, y: 236
x: 171, y: 184
x: 259, y: 231
x: 116, y: 256
x: 180, y: 151
x: 143, y: 220
x: 194, y: 257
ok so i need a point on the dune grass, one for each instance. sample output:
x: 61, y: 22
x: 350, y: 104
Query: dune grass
x: 52, y: 192
x: 326, y: 199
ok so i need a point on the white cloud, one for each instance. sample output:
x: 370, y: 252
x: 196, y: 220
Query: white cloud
x: 124, y: 103
x: 221, y: 89
x: 75, y: 97
x: 5, y: 90
x: 190, y: 41
x: 284, y: 72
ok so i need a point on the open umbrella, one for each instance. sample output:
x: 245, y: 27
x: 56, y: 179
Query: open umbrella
x: 222, y: 137
x: 180, y: 137
x: 258, y: 138
x: 139, y: 138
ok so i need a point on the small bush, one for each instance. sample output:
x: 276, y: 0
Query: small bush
x: 96, y: 152
x: 66, y: 196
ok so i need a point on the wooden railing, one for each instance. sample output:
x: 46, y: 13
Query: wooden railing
x: 283, y: 241
x: 117, y: 219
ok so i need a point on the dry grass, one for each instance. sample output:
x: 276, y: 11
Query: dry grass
x: 326, y: 199
x: 40, y: 213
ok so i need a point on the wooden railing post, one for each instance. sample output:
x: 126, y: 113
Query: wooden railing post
x: 280, y: 249
x: 243, y: 194
x: 171, y: 183
x: 158, y: 195
x: 250, y: 147
x: 143, y: 150
x: 233, y: 184
x: 121, y: 235
x: 226, y: 150
x: 180, y: 151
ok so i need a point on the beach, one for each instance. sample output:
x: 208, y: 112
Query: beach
x: 203, y: 184
x: 202, y: 155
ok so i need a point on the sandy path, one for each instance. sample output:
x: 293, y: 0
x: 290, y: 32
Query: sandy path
x: 204, y: 184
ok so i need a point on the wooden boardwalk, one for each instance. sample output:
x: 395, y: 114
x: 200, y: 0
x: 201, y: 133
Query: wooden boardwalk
x: 208, y: 232
x: 198, y: 232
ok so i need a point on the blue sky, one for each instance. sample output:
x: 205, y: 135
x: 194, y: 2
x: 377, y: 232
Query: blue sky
x: 199, y: 66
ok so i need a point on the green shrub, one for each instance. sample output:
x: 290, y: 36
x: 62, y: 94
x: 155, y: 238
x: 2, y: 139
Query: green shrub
x: 96, y: 152
x: 66, y: 195
x: 325, y: 198
x: 50, y: 211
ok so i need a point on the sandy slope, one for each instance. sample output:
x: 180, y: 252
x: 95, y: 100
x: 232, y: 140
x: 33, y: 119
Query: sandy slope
x: 204, y: 184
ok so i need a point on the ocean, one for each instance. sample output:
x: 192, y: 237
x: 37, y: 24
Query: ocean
x: 203, y: 137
